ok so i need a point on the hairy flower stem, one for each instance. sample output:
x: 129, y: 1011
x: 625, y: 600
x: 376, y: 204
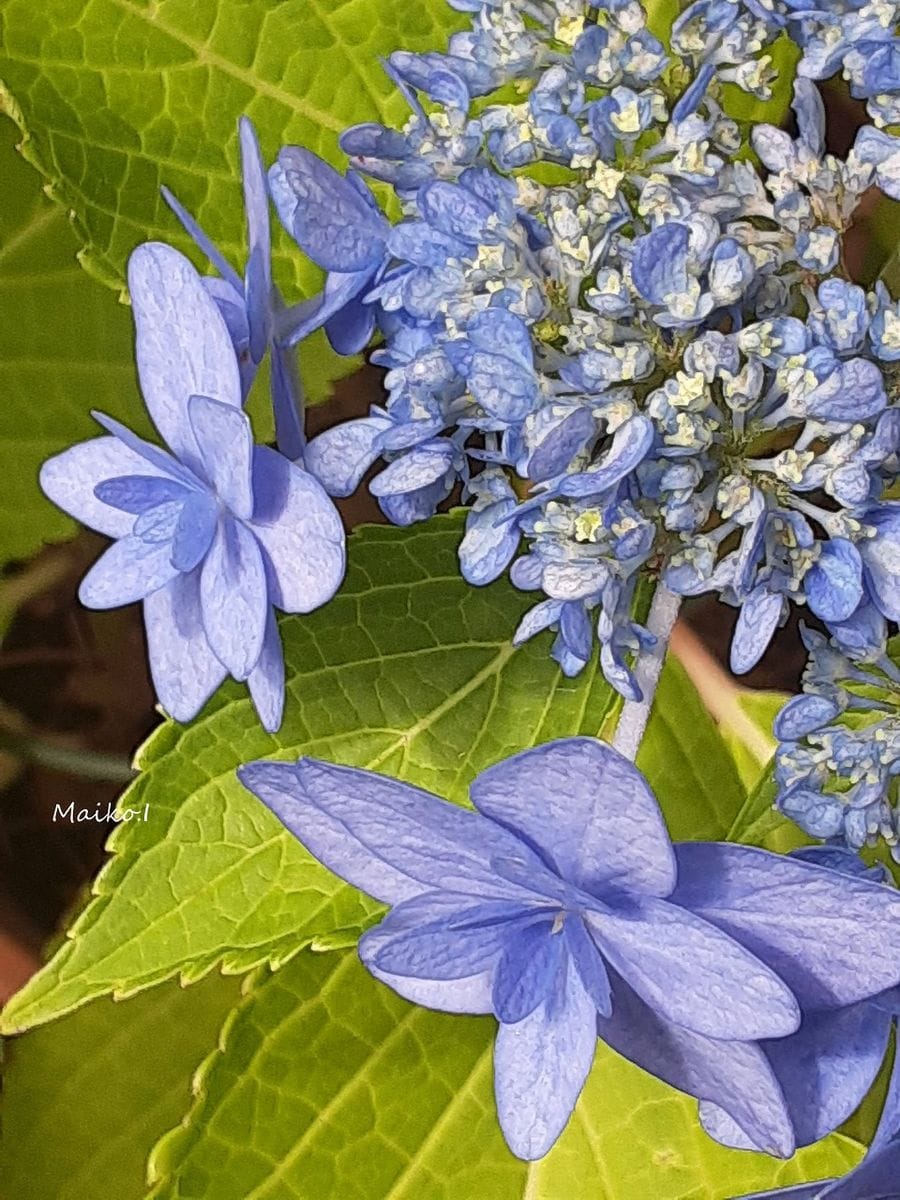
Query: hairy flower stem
x: 636, y: 713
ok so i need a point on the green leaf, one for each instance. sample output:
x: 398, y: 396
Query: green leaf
x: 759, y: 823
x: 120, y: 96
x: 330, y: 1087
x: 86, y: 1099
x: 65, y: 348
x: 408, y: 671
x: 752, y: 757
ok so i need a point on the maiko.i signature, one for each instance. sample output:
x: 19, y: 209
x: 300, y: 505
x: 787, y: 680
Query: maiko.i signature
x: 99, y: 814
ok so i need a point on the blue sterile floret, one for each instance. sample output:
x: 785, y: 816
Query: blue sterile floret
x: 212, y: 534
x: 561, y: 907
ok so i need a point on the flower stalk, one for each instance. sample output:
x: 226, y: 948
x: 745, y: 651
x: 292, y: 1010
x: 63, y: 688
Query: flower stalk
x: 647, y: 669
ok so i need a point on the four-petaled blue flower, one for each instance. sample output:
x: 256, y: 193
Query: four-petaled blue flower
x: 212, y: 535
x: 561, y: 906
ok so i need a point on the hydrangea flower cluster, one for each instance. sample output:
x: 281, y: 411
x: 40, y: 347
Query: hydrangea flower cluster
x: 839, y: 754
x: 595, y: 302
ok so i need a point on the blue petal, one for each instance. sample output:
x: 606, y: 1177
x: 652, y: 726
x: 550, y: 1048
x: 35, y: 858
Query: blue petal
x: 136, y: 493
x: 200, y: 238
x: 834, y: 939
x: 589, y: 964
x: 388, y: 838
x: 881, y: 556
x: 659, y: 262
x: 182, y: 344
x: 577, y: 631
x: 498, y: 331
x: 266, y: 681
x: 810, y: 111
x: 72, y: 479
x: 407, y: 508
x: 422, y: 466
x: 630, y: 446
x: 802, y: 714
x: 225, y: 441
x: 735, y: 1075
x: 693, y: 974
x: 864, y: 633
x: 325, y: 213
x: 194, y: 531
x: 441, y: 936
x: 537, y: 619
x: 340, y: 456
x: 528, y: 971
x: 833, y: 585
x: 487, y: 548
x: 300, y: 532
x: 502, y: 387
x: 350, y: 329
x: 824, y: 1071
x: 234, y: 597
x: 820, y: 815
x: 287, y: 402
x: 129, y: 570
x: 185, y: 671
x: 853, y: 392
x: 556, y: 446
x: 587, y: 809
x: 456, y: 211
x: 159, y: 524
x: 828, y: 1066
x: 540, y: 1067
x: 757, y: 621
x: 259, y: 260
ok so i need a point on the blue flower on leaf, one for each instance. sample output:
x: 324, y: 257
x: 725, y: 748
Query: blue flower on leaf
x: 213, y: 534
x: 561, y: 906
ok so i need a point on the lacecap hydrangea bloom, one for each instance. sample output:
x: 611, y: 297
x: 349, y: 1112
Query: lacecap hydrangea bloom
x: 659, y: 348
x: 212, y: 534
x: 561, y: 906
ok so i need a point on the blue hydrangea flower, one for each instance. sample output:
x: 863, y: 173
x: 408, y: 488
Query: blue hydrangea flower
x: 560, y: 906
x: 337, y: 222
x: 211, y: 534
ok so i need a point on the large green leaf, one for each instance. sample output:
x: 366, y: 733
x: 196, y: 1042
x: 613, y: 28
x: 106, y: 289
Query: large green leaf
x: 409, y: 671
x: 85, y: 1099
x: 65, y: 348
x: 119, y: 96
x: 329, y: 1087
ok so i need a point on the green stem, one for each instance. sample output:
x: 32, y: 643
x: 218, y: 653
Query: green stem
x: 85, y: 764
